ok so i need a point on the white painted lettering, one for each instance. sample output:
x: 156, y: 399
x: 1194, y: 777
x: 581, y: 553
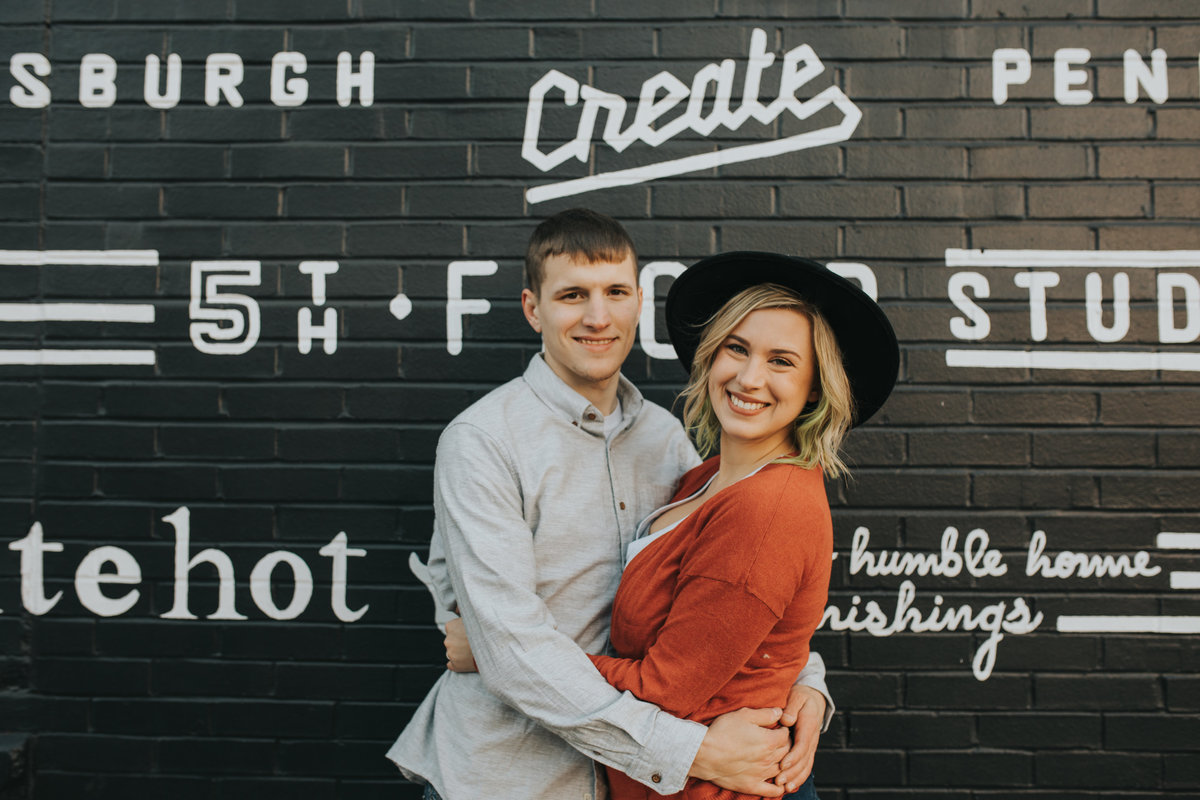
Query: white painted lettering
x: 348, y: 80
x: 1066, y: 77
x: 456, y: 306
x: 33, y: 592
x: 996, y: 619
x: 307, y: 332
x: 975, y: 323
x: 169, y: 98
x: 224, y: 323
x: 97, y: 80
x: 1168, y: 282
x: 318, y: 271
x: 25, y: 68
x: 1094, y: 303
x: 721, y: 76
x: 339, y: 550
x: 1010, y: 67
x: 533, y: 122
x: 1037, y: 283
x: 288, y: 92
x: 180, y: 520
x: 861, y: 274
x: 647, y: 335
x: 1068, y: 564
x: 947, y: 562
x: 260, y: 585
x: 651, y: 107
x: 1153, y: 79
x: 663, y: 92
x: 223, y: 73
x: 90, y: 575
x: 981, y: 560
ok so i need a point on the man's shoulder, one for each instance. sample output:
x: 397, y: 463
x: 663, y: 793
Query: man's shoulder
x: 654, y: 421
x: 495, y: 405
x: 654, y: 413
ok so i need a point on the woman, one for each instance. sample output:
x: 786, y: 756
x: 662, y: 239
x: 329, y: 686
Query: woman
x: 726, y: 584
x: 722, y: 593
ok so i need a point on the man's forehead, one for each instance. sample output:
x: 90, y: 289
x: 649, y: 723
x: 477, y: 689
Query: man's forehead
x: 569, y: 268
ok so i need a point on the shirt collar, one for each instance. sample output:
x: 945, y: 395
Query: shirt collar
x: 573, y: 406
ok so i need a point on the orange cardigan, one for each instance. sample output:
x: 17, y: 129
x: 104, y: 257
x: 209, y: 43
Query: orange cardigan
x: 716, y: 614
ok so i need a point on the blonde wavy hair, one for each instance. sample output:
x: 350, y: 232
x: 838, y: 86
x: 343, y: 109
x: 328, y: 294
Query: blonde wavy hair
x: 818, y: 432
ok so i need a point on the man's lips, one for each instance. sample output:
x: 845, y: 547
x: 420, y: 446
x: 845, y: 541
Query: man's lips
x: 587, y: 341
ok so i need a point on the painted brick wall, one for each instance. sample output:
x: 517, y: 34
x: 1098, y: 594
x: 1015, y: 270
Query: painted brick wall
x: 976, y: 196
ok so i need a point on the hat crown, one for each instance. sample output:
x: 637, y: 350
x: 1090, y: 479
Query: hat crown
x: 870, y: 352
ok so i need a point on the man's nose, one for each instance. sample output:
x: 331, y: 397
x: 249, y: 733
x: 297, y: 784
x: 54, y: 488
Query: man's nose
x: 596, y: 314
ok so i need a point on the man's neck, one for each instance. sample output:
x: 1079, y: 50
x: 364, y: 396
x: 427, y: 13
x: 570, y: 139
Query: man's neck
x: 603, y: 398
x: 601, y: 394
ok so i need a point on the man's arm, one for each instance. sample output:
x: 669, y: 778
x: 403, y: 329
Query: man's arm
x: 523, y: 659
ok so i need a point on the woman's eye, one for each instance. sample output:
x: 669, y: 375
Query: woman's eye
x: 735, y: 347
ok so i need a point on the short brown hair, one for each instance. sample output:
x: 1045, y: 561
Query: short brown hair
x: 818, y: 432
x: 578, y: 232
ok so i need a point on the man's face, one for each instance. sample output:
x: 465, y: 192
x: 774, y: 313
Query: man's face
x: 587, y: 315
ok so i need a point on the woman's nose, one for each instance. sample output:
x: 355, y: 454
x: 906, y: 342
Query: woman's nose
x: 751, y: 374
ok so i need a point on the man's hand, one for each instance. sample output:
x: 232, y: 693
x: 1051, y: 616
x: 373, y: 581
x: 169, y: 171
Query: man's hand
x: 742, y: 750
x: 459, y: 657
x: 804, y: 714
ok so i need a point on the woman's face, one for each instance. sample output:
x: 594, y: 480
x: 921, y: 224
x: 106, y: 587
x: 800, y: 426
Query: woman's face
x: 763, y: 375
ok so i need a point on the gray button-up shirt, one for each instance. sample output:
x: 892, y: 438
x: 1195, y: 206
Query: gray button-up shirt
x: 534, y: 508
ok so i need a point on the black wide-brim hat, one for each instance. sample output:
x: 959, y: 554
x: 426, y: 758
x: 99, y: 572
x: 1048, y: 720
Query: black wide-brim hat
x: 870, y: 353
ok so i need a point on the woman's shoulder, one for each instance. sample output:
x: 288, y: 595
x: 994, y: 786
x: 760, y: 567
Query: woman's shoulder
x: 768, y: 536
x: 696, y: 477
x: 777, y: 484
x: 770, y: 510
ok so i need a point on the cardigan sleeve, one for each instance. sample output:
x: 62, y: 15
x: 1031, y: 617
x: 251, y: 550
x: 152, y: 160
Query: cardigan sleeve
x: 712, y: 630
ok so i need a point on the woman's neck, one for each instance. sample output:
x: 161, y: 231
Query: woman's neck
x: 739, y: 459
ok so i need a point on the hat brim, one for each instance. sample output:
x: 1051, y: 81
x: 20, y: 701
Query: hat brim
x: 870, y: 352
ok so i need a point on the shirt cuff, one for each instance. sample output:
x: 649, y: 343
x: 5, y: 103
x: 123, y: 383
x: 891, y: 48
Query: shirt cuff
x: 813, y: 676
x: 664, y: 762
x: 441, y: 614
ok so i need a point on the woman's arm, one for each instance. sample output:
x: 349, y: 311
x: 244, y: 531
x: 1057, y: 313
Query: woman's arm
x: 713, y: 629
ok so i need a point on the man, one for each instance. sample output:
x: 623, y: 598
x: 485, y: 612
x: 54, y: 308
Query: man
x: 538, y: 489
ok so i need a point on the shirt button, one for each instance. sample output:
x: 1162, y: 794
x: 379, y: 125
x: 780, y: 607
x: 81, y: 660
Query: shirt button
x: 656, y: 778
x: 622, y: 506
x: 591, y: 417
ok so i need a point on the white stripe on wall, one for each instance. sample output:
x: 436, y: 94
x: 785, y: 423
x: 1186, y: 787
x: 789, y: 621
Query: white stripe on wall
x: 1131, y: 624
x: 1021, y: 259
x: 1178, y: 541
x: 77, y: 357
x: 76, y: 312
x: 1074, y: 359
x: 101, y: 258
x: 1185, y: 580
